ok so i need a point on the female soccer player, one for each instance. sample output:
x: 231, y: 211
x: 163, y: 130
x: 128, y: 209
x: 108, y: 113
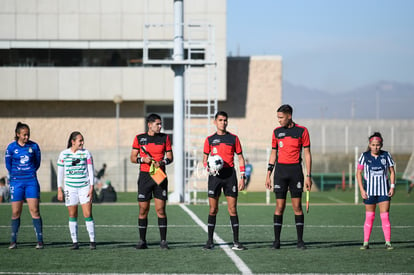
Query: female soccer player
x: 22, y: 162
x: 377, y: 187
x: 75, y: 171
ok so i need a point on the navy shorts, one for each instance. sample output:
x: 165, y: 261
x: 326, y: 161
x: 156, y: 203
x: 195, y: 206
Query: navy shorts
x: 24, y: 189
x: 376, y: 199
x: 288, y: 177
x: 226, y: 180
x: 147, y: 188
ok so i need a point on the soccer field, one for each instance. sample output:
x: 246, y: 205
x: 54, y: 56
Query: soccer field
x: 333, y: 234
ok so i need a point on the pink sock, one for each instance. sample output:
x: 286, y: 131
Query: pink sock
x: 369, y: 221
x: 386, y: 225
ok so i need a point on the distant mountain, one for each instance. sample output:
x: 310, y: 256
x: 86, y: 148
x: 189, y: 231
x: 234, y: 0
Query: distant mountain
x: 386, y: 100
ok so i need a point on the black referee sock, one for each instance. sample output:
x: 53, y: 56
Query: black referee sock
x: 277, y: 226
x: 211, y: 224
x: 300, y: 223
x: 142, y: 227
x: 162, y: 225
x: 235, y: 226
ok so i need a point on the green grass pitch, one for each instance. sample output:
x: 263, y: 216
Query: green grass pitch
x: 333, y: 234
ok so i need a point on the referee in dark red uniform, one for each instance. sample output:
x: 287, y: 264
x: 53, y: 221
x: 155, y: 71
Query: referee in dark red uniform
x: 224, y: 144
x: 152, y: 147
x: 287, y: 143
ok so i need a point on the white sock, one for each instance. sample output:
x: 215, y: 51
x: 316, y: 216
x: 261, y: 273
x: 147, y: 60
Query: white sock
x: 90, y: 226
x: 73, y: 228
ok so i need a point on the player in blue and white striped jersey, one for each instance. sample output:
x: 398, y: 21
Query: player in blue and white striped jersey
x: 377, y: 186
x: 22, y: 160
x: 76, y: 179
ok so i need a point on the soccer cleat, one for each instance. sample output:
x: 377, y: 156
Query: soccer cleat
x: 301, y: 245
x: 364, y: 246
x: 209, y: 245
x: 238, y: 246
x: 164, y: 244
x: 92, y: 245
x: 141, y: 245
x: 276, y: 245
x: 39, y: 245
x: 13, y: 245
x: 388, y: 246
x: 75, y: 246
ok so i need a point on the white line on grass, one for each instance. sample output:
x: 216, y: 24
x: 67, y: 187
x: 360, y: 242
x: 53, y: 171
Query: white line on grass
x: 244, y: 269
x: 335, y: 200
x: 218, y: 225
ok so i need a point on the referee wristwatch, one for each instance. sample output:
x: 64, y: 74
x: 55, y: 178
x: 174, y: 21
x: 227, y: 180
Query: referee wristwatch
x: 242, y: 177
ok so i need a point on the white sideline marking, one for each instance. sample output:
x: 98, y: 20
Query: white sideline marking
x: 244, y: 269
x: 218, y: 225
x: 335, y: 200
x: 60, y: 273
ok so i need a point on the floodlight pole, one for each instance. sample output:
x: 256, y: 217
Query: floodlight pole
x: 178, y: 68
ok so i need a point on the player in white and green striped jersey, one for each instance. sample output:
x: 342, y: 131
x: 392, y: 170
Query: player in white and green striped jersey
x: 76, y: 179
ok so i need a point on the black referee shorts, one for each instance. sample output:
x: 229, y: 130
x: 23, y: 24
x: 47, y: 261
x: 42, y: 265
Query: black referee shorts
x: 226, y: 180
x: 147, y: 188
x: 288, y: 177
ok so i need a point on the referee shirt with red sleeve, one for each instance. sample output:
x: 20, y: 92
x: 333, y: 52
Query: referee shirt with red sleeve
x: 156, y: 145
x: 223, y: 145
x: 289, y: 142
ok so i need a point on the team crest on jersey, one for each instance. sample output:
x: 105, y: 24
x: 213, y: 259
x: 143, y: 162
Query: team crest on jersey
x: 214, y: 150
x: 16, y: 151
x: 30, y: 150
x: 280, y: 144
x: 383, y: 161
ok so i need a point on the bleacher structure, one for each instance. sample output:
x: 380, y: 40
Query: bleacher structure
x: 201, y: 102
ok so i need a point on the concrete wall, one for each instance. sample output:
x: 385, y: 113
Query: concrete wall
x: 99, y: 24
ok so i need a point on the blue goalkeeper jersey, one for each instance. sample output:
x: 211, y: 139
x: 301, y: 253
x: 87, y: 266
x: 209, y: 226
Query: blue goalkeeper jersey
x: 22, y: 162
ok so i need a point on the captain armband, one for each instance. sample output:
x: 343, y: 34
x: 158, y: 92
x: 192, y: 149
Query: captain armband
x: 166, y: 161
x: 270, y: 167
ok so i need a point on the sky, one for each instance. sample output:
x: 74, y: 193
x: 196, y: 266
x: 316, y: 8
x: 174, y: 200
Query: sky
x: 331, y: 45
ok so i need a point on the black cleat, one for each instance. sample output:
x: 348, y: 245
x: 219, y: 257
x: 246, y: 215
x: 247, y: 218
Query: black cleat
x: 75, y: 246
x: 275, y: 245
x: 301, y: 245
x: 92, y: 245
x: 209, y: 245
x: 164, y: 244
x: 141, y: 245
